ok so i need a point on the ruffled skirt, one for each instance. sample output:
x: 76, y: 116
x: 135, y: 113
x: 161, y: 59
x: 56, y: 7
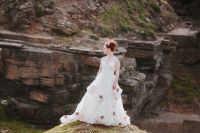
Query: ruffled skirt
x: 100, y: 104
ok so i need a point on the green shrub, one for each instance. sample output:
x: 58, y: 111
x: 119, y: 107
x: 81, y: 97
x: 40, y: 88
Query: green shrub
x: 155, y: 7
x: 186, y: 90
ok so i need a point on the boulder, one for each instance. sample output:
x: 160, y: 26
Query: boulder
x: 64, y: 26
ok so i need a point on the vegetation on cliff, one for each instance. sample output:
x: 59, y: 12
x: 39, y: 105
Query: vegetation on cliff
x: 185, y: 91
x: 183, y: 96
x: 131, y: 15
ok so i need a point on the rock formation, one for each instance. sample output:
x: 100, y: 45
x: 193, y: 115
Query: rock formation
x: 185, y: 61
x: 58, y: 76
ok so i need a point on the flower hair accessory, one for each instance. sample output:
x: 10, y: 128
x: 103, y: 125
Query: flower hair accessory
x: 111, y: 44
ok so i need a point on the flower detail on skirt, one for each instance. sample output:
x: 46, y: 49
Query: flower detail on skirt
x: 102, y: 117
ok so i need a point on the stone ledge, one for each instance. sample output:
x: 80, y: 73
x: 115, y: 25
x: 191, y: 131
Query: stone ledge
x: 26, y: 37
x: 11, y: 45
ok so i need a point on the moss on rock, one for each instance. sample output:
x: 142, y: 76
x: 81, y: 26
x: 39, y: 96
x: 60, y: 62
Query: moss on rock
x: 82, y: 127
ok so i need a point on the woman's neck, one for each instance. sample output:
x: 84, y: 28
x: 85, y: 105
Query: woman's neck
x: 110, y: 55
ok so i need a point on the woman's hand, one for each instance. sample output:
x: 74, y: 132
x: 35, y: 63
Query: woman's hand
x: 114, y: 87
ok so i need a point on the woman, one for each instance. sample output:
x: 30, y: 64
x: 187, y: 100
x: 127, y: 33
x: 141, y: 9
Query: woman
x: 102, y: 102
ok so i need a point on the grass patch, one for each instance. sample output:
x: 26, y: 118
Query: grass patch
x: 116, y: 18
x: 128, y: 16
x: 88, y: 33
x: 39, y: 11
x: 155, y: 7
x: 185, y: 91
x: 144, y: 33
x: 15, y: 126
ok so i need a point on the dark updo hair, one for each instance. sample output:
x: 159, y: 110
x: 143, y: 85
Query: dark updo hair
x: 111, y: 44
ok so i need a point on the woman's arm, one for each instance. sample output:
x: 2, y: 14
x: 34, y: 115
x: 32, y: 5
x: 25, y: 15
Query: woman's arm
x: 117, y: 68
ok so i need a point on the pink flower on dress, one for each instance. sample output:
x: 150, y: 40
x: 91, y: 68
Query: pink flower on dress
x: 101, y: 96
x: 77, y: 113
x: 102, y: 117
x: 113, y: 113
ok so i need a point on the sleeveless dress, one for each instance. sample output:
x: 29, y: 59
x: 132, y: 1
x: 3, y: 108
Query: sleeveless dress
x: 101, y: 104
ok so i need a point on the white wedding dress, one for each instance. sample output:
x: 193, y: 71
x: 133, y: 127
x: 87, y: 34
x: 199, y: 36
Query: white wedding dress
x: 101, y: 104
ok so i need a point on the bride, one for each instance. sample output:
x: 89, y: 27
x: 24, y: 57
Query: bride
x: 102, y: 102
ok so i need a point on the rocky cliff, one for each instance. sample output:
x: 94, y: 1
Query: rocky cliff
x: 52, y: 50
x: 140, y: 18
x: 55, y: 79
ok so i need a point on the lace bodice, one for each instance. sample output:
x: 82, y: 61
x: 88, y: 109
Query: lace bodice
x: 108, y: 65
